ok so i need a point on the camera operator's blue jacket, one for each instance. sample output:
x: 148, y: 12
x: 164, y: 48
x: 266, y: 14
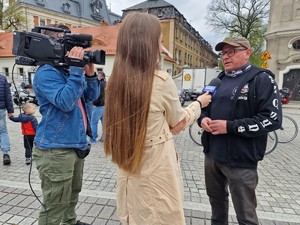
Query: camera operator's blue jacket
x: 58, y: 91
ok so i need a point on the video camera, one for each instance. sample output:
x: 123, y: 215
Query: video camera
x: 35, y: 48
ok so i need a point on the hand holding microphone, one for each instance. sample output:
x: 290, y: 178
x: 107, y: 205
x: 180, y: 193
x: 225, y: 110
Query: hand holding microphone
x: 208, y: 91
x: 204, y: 99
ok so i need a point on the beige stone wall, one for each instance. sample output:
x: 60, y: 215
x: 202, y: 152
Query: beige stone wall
x: 283, y: 29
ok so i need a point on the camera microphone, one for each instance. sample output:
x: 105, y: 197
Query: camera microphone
x: 79, y: 37
x: 212, y: 86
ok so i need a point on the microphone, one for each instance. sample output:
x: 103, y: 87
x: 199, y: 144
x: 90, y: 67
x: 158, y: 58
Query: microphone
x: 212, y: 86
x: 80, y: 37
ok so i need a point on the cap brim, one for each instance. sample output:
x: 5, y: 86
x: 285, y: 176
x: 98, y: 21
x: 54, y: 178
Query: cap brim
x: 219, y: 46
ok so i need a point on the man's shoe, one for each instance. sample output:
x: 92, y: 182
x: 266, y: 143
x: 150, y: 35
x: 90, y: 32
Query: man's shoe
x: 81, y: 223
x: 6, y: 159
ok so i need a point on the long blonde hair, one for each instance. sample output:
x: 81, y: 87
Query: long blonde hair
x: 129, y: 88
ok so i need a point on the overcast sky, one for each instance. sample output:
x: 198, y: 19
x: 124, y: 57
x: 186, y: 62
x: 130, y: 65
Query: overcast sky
x: 193, y: 10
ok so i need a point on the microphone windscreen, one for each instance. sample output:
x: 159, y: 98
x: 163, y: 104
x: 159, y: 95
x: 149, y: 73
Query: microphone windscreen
x: 215, y: 82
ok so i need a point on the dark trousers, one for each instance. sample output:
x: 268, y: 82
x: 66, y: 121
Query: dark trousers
x: 242, y: 184
x: 28, y: 145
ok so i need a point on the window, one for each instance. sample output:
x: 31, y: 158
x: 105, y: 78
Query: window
x: 159, y: 13
x: 35, y: 20
x: 6, y: 71
x: 21, y: 71
x: 42, y: 22
x: 296, y: 44
x: 179, y: 56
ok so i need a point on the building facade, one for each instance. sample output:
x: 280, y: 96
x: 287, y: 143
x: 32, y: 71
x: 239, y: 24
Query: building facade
x: 187, y: 46
x: 283, y: 44
x: 72, y: 13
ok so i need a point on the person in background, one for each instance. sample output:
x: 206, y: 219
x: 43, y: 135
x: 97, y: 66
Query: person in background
x: 142, y: 112
x: 29, y: 125
x: 6, y: 104
x: 60, y: 141
x: 235, y: 135
x: 98, y: 109
x: 89, y: 109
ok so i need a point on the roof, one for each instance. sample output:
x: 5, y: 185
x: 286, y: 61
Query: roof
x: 6, y: 43
x: 104, y: 38
x: 149, y: 4
x: 94, y: 11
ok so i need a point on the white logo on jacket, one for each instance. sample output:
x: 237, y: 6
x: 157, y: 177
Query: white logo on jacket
x: 243, y: 95
x: 241, y: 129
x: 253, y: 128
x: 266, y: 123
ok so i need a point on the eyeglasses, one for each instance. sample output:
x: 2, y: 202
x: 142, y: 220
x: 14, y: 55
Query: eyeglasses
x: 231, y: 52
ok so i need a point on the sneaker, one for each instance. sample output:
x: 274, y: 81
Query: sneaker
x: 100, y: 139
x: 28, y: 161
x: 6, y: 159
x: 81, y: 223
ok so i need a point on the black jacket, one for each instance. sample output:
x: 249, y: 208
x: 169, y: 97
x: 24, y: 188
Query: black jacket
x: 5, y: 95
x: 101, y: 99
x: 254, y: 113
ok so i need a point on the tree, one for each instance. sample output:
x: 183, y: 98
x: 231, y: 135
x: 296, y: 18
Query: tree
x: 1, y: 11
x: 246, y: 18
x: 10, y: 18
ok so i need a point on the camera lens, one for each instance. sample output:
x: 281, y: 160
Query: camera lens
x: 96, y: 57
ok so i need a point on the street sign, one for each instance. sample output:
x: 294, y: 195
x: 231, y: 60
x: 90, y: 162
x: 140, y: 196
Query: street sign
x: 264, y: 65
x: 265, y: 56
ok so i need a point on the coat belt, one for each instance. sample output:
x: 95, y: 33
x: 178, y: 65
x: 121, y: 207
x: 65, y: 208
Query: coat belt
x: 159, y: 139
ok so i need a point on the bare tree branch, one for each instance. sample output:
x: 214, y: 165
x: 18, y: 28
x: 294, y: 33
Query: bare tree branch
x: 236, y: 16
x: 246, y: 18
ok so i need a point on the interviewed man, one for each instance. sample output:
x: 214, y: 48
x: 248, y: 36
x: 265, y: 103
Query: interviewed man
x: 235, y: 135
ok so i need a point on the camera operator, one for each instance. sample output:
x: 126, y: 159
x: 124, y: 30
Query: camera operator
x: 60, y: 141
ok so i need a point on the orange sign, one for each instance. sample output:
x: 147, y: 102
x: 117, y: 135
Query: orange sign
x: 265, y: 56
x: 187, y: 77
x: 264, y: 65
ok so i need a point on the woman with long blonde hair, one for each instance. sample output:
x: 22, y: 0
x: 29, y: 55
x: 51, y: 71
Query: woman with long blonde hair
x: 142, y: 111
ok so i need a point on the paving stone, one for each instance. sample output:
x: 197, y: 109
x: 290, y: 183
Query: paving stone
x: 277, y: 191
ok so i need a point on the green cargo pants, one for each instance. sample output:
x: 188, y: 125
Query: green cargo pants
x: 60, y: 172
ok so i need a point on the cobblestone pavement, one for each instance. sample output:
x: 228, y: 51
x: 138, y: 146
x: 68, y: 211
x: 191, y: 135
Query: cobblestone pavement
x: 278, y: 192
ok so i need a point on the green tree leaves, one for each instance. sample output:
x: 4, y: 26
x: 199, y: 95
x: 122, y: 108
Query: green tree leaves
x: 246, y: 18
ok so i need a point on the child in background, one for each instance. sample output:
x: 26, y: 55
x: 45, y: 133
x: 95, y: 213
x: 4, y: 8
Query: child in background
x: 29, y: 125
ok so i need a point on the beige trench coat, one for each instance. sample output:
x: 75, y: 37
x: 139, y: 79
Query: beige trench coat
x: 154, y: 195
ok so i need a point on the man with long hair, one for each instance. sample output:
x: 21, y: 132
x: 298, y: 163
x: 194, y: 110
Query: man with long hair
x: 142, y: 110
